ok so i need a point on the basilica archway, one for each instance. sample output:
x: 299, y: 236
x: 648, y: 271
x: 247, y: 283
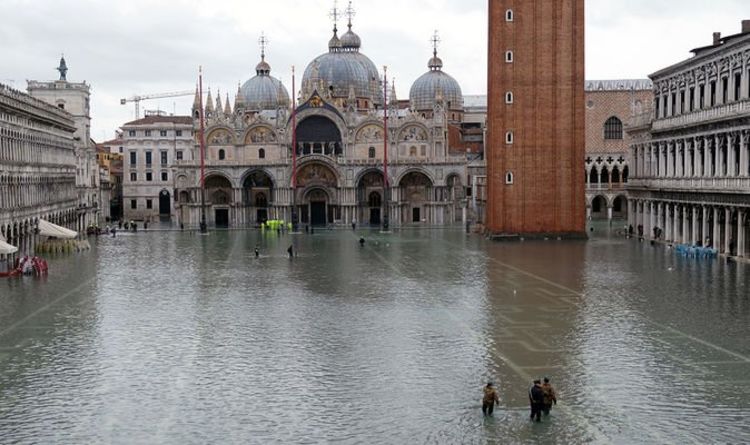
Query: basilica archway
x: 319, y: 135
x: 370, y: 197
x: 415, y: 191
x: 317, y: 193
x: 219, y: 199
x: 257, y: 195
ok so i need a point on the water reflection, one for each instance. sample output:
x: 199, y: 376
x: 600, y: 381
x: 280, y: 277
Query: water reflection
x: 175, y: 337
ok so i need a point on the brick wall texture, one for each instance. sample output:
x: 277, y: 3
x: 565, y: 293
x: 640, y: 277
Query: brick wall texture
x: 547, y: 118
x: 601, y: 105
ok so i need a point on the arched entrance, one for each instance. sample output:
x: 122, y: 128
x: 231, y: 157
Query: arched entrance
x: 219, y: 198
x: 319, y: 135
x: 620, y: 207
x: 415, y: 189
x: 317, y: 184
x: 370, y: 197
x: 317, y: 207
x: 455, y: 193
x: 599, y: 207
x: 165, y: 205
x: 257, y: 194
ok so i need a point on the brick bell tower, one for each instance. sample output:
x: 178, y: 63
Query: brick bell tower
x: 536, y: 119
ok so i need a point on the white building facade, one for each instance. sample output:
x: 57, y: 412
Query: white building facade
x: 691, y: 156
x: 74, y: 97
x: 37, y: 167
x: 150, y: 146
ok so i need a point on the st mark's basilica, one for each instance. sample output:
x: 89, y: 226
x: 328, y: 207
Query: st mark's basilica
x: 339, y: 148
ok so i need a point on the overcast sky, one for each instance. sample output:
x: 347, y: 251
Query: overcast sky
x: 126, y: 47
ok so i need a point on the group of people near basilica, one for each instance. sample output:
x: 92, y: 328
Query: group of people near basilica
x: 541, y: 398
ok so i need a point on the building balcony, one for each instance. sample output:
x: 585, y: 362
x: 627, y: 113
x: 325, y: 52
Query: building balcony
x: 604, y: 187
x: 725, y: 185
x: 718, y: 113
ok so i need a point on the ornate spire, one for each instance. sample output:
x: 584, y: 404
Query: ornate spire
x: 63, y: 68
x: 350, y: 13
x: 239, y: 99
x: 197, y: 99
x: 209, y: 104
x: 219, y: 107
x: 227, y: 107
x: 393, y: 92
x: 350, y: 41
x: 435, y: 63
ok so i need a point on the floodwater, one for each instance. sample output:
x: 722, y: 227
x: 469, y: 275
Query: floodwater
x: 178, y: 338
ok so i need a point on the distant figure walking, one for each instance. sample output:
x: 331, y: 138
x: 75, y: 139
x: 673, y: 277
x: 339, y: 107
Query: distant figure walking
x: 290, y: 251
x: 114, y: 232
x: 489, y: 399
x: 550, y: 397
x: 536, y: 399
x: 361, y: 241
x: 354, y: 223
x: 257, y: 252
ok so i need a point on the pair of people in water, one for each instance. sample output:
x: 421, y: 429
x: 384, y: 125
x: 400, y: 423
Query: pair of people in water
x: 541, y: 398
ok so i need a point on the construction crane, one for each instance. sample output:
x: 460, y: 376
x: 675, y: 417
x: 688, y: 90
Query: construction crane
x: 138, y: 98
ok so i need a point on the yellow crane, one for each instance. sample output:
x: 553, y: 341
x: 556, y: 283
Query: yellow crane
x: 139, y: 97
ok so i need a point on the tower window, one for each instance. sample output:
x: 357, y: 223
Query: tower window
x: 222, y: 155
x: 509, y: 178
x: 261, y: 153
x: 509, y: 137
x: 509, y: 56
x: 509, y: 97
x: 371, y: 153
x: 509, y: 15
x: 613, y: 128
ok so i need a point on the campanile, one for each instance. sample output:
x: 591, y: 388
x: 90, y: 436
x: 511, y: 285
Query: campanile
x: 535, y: 122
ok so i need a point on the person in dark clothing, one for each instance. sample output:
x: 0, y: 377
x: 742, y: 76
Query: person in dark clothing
x: 361, y: 241
x: 536, y: 399
x: 257, y: 252
x: 489, y: 399
x: 290, y: 251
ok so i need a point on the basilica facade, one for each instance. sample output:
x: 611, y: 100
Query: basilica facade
x: 339, y: 132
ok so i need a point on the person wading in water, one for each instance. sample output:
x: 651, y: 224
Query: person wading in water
x: 489, y: 399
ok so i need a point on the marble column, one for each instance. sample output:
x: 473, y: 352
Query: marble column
x: 728, y: 235
x: 676, y: 221
x: 716, y: 237
x: 741, y: 232
x: 731, y: 161
x: 706, y: 227
x: 744, y: 141
x: 694, y: 238
x: 667, y: 226
x: 670, y: 155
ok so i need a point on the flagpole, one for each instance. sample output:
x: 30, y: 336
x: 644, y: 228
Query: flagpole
x: 385, y: 149
x: 203, y: 226
x: 295, y: 218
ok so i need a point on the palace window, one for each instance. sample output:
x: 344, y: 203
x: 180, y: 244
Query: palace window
x: 178, y: 133
x: 509, y: 178
x: 724, y: 90
x: 509, y: 97
x: 413, y: 151
x: 222, y: 154
x: 261, y: 153
x: 712, y: 92
x: 163, y: 157
x: 371, y: 153
x: 691, y: 97
x: 133, y: 204
x: 508, y: 56
x: 163, y: 133
x: 508, y: 137
x: 737, y: 85
x: 674, y: 104
x: 148, y: 157
x: 613, y: 128
x: 178, y: 155
x: 149, y: 204
x: 147, y: 133
x: 164, y: 176
x: 133, y: 157
x: 131, y: 133
x: 149, y: 176
x: 133, y: 177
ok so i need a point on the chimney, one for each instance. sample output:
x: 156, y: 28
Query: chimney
x: 717, y: 38
x: 745, y: 26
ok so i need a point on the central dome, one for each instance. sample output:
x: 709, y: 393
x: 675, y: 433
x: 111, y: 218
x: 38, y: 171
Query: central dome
x: 343, y: 67
x: 427, y: 87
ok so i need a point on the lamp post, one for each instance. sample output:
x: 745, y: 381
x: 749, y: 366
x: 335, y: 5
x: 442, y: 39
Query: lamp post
x: 295, y: 219
x: 203, y: 225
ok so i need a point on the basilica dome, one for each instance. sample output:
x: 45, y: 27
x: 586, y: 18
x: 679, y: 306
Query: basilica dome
x: 425, y: 89
x: 264, y: 92
x: 344, y: 67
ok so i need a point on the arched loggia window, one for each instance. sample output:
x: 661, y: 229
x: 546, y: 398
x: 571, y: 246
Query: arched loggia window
x: 613, y: 128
